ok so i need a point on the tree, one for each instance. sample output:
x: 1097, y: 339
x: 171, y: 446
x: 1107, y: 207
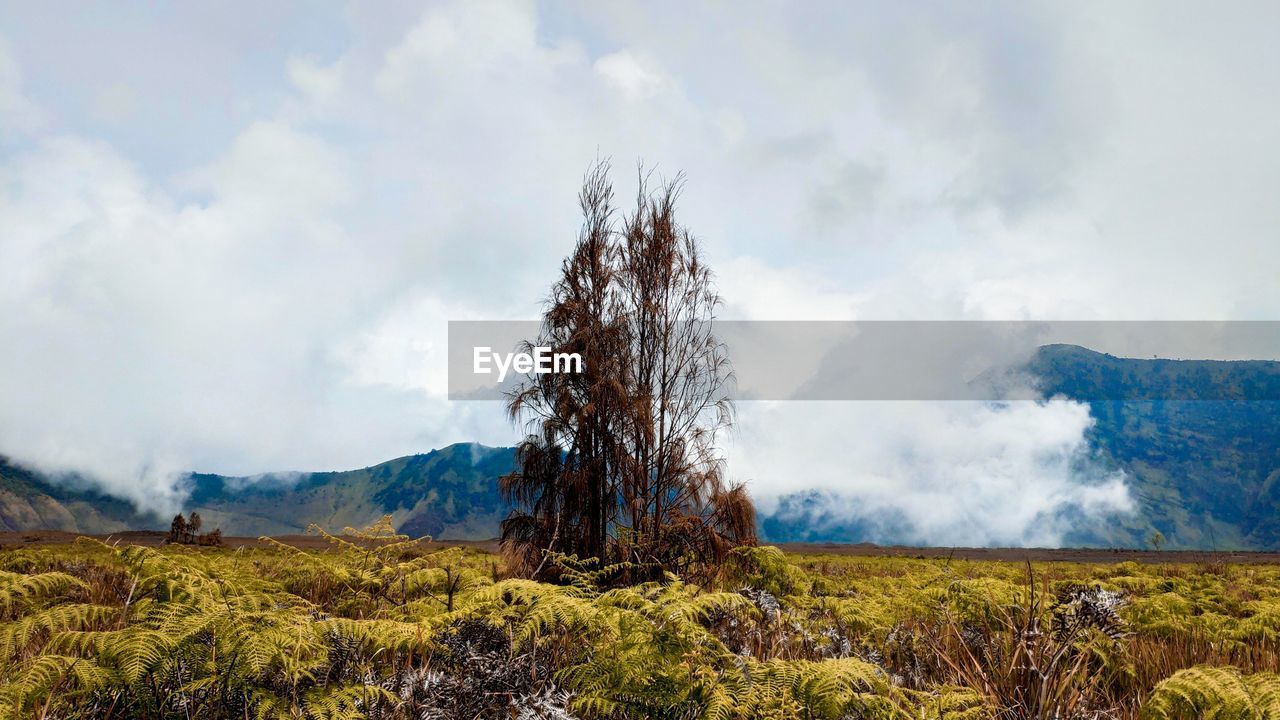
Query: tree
x: 622, y: 461
x: 178, y: 529
x: 193, y: 526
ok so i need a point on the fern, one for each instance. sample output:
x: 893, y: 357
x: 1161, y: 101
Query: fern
x: 35, y: 683
x: 379, y: 626
x: 1215, y: 693
x: 19, y: 592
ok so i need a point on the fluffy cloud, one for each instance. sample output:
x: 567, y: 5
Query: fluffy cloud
x: 243, y: 259
x: 153, y: 336
x: 958, y: 473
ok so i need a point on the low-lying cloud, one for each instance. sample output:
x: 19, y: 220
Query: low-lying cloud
x: 937, y: 473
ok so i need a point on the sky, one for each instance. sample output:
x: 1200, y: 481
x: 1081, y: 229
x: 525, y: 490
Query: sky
x: 231, y: 234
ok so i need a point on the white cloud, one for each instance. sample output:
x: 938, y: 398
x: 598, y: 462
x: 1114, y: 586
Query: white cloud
x: 160, y: 336
x: 320, y: 83
x: 634, y: 78
x: 756, y: 291
x: 934, y: 473
x: 492, y: 39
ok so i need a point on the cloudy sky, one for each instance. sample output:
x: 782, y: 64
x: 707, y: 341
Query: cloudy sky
x: 231, y: 234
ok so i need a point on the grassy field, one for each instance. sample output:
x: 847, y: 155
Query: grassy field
x: 386, y: 628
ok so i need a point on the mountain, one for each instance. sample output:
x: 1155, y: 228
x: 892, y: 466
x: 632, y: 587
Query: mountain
x: 32, y: 501
x: 448, y: 493
x: 1203, y: 468
x: 1199, y: 440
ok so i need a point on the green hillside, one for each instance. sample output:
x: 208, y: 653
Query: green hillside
x: 1199, y: 439
x: 446, y: 493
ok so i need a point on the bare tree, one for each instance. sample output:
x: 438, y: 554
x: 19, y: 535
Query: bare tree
x: 194, y: 524
x: 622, y: 460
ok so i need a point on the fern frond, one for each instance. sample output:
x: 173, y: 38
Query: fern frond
x: 1219, y: 693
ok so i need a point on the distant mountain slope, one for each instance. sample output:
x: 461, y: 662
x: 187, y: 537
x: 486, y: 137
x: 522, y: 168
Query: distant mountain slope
x: 1204, y: 470
x: 446, y: 493
x: 31, y: 501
